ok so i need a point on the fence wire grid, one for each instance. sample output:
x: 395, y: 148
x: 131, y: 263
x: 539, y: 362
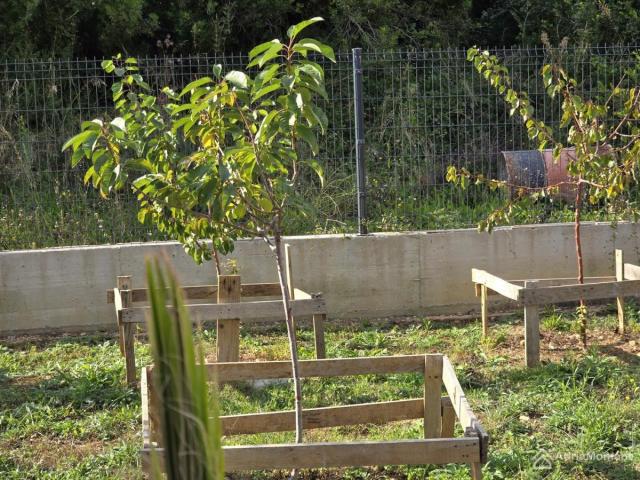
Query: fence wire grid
x: 423, y: 110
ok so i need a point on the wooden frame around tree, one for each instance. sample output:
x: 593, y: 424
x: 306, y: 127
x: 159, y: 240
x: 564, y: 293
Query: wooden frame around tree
x: 229, y: 306
x: 439, y: 413
x: 533, y: 293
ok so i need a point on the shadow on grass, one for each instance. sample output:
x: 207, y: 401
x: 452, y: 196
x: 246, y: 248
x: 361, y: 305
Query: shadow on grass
x: 94, y: 388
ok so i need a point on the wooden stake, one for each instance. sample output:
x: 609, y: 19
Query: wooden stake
x: 432, y: 396
x: 122, y: 283
x: 318, y: 335
x: 228, y: 338
x: 484, y: 305
x: 620, y: 300
x: 476, y: 471
x: 531, y: 330
x: 128, y: 330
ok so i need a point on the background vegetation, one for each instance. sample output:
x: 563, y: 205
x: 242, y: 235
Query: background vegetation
x: 100, y: 28
x: 425, y: 107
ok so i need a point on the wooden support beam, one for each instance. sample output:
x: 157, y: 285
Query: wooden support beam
x: 353, y: 454
x: 247, y: 311
x: 432, y: 396
x: 631, y: 271
x: 484, y: 307
x: 318, y: 335
x: 620, y: 300
x: 496, y: 284
x: 330, y: 367
x: 210, y: 291
x: 448, y: 418
x: 531, y: 328
x: 569, y: 293
x: 228, y: 336
x: 313, y: 418
x: 465, y: 415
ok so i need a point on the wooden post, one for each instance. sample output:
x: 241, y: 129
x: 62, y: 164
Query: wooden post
x: 531, y: 330
x: 448, y: 418
x: 432, y: 396
x: 620, y: 300
x: 124, y: 285
x: 318, y: 335
x: 484, y: 305
x: 476, y: 471
x: 228, y: 338
x: 289, y: 267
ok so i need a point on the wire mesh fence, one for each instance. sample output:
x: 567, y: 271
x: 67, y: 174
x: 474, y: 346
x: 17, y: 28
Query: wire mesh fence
x: 423, y: 110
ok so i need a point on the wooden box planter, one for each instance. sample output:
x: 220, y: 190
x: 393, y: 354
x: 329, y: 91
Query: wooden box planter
x: 229, y: 302
x: 533, y: 293
x: 439, y: 413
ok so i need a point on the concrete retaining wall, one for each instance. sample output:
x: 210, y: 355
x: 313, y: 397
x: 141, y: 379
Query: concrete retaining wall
x: 384, y: 274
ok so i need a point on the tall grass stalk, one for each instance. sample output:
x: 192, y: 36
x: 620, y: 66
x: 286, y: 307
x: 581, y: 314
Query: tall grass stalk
x: 189, y: 417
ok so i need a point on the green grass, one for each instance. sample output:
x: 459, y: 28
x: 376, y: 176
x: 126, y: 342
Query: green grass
x: 65, y: 412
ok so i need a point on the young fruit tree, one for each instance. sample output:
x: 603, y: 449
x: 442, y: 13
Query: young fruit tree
x: 220, y: 159
x: 603, y: 135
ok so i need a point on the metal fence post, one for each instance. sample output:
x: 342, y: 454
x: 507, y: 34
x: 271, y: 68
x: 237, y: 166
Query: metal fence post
x: 359, y: 127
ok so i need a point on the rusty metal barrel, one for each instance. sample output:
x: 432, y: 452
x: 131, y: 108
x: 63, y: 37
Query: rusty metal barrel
x: 538, y: 169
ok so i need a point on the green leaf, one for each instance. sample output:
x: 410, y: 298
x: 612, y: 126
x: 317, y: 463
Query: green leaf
x: 294, y: 30
x: 309, y: 137
x: 263, y: 47
x: 237, y: 79
x: 316, y: 167
x: 108, y: 66
x: 77, y: 140
x: 119, y: 123
x: 270, y: 54
x: 266, y: 90
x: 310, y: 44
x: 195, y: 84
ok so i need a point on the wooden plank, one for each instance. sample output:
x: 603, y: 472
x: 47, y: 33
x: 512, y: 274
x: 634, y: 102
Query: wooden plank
x: 432, y: 396
x: 301, y: 294
x: 318, y: 335
x: 313, y: 418
x: 553, y: 282
x: 329, y: 367
x: 620, y: 300
x: 484, y: 307
x: 247, y: 311
x: 568, y: 293
x: 631, y: 271
x: 496, y: 284
x: 465, y: 415
x: 531, y: 329
x: 448, y: 418
x: 352, y: 454
x: 228, y: 336
x: 210, y: 291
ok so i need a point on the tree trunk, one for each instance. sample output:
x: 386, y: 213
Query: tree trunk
x: 582, y: 309
x: 293, y: 346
